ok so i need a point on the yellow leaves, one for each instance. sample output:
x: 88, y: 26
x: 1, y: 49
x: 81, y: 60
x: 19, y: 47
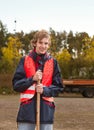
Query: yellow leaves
x: 7, y: 54
x: 12, y: 49
x: 64, y: 60
x: 14, y: 43
x: 11, y: 52
x: 89, y: 51
x: 64, y: 56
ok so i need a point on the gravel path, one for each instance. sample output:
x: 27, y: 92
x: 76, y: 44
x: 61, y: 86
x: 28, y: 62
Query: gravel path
x: 72, y: 113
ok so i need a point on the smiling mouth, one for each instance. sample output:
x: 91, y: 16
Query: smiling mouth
x: 42, y: 50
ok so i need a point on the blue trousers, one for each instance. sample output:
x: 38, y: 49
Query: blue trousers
x: 29, y: 126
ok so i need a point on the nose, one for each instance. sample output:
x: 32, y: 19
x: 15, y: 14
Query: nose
x: 43, y: 44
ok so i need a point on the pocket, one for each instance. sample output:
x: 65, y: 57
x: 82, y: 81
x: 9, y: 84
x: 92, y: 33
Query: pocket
x: 27, y: 112
x: 51, y: 104
x: 47, y: 111
x: 26, y: 102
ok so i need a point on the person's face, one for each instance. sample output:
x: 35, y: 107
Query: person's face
x: 42, y: 46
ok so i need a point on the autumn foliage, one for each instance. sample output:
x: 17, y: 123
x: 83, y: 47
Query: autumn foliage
x: 74, y: 52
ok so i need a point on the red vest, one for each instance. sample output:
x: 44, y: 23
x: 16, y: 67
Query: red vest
x: 30, y: 69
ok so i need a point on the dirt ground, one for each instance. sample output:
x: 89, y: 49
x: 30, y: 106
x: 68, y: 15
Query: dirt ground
x: 72, y: 113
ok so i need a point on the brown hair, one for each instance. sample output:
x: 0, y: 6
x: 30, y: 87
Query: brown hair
x: 39, y: 36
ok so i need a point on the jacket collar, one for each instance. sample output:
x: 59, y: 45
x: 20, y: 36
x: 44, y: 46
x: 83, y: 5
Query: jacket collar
x: 42, y: 57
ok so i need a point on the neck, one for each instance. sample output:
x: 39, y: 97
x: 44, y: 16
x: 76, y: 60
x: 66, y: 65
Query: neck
x: 38, y: 53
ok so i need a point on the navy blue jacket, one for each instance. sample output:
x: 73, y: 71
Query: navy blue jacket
x: 27, y: 110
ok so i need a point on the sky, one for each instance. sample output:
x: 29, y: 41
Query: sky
x: 60, y: 15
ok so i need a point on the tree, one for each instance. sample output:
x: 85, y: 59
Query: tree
x: 76, y: 42
x: 64, y: 60
x: 56, y: 41
x: 3, y: 36
x: 88, y: 54
x: 11, y: 54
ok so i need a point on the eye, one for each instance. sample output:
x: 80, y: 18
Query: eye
x: 46, y: 43
x: 40, y: 42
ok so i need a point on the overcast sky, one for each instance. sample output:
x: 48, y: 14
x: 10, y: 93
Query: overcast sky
x: 75, y: 15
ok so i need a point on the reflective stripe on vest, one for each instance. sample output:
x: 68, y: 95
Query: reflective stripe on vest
x: 30, y: 69
x: 28, y: 94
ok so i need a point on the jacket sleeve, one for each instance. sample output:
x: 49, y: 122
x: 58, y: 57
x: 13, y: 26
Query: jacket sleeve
x: 20, y: 81
x: 57, y: 84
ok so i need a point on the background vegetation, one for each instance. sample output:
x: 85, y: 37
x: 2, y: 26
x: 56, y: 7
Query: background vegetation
x: 74, y: 52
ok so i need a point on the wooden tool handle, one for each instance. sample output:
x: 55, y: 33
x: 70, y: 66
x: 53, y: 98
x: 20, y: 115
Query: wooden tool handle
x: 38, y: 110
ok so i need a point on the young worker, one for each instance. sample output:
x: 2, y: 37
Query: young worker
x: 38, y: 64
